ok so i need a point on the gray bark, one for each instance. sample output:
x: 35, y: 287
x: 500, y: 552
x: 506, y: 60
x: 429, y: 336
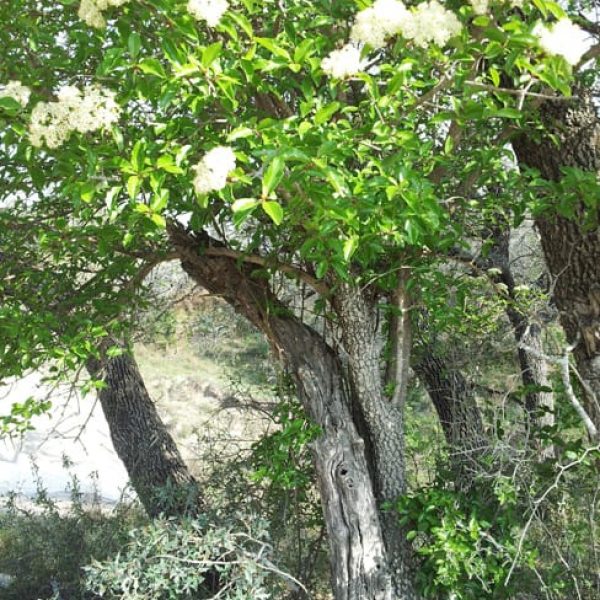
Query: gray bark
x: 359, y: 561
x: 383, y: 418
x: 572, y: 251
x: 142, y: 441
x: 457, y: 410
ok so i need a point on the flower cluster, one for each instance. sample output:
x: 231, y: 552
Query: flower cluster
x: 213, y: 169
x: 84, y: 111
x: 210, y: 11
x: 90, y: 11
x: 562, y: 38
x: 373, y: 25
x: 428, y: 22
x: 343, y: 63
x: 17, y: 91
x: 480, y: 7
x: 431, y: 22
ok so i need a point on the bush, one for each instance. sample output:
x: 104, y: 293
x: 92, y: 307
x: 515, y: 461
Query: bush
x: 44, y: 546
x: 191, y: 559
x: 81, y: 551
x: 528, y: 535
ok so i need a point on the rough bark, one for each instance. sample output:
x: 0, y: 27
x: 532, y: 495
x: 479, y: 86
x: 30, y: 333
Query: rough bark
x: 142, y: 441
x: 457, y: 410
x: 359, y: 561
x: 383, y: 418
x: 572, y: 251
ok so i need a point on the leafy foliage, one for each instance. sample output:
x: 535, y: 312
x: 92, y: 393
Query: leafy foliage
x: 498, y: 538
x: 281, y: 457
x: 45, y: 546
x: 174, y: 559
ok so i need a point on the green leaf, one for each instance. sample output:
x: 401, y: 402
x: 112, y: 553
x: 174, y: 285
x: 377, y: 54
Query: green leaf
x: 322, y: 268
x: 158, y: 220
x: 507, y: 113
x: 350, y: 246
x: 272, y: 176
x: 274, y: 210
x: 271, y: 45
x: 240, y: 132
x: 134, y: 43
x: 210, y: 53
x: 133, y: 186
x: 326, y: 112
x: 165, y: 162
x: 242, y: 21
x: 151, y: 66
x: 87, y: 191
x: 160, y: 200
x: 9, y: 104
x: 244, y: 204
x: 111, y: 62
x: 448, y: 145
x: 495, y: 76
x: 304, y: 49
x: 172, y: 52
x: 138, y: 155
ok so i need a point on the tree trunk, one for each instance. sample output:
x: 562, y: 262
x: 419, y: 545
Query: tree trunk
x: 383, y: 417
x: 572, y: 251
x: 359, y: 562
x: 156, y: 470
x: 539, y: 401
x: 459, y: 415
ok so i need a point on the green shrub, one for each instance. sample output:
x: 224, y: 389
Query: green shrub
x: 191, y: 559
x: 528, y: 535
x: 44, y: 547
x: 467, y: 545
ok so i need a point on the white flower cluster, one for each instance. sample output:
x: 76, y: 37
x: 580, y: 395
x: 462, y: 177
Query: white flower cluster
x: 90, y: 11
x: 210, y: 11
x: 431, y: 22
x: 373, y: 26
x: 562, y: 38
x: 17, y: 91
x: 84, y: 111
x: 428, y: 22
x: 480, y: 7
x: 343, y: 63
x: 213, y: 169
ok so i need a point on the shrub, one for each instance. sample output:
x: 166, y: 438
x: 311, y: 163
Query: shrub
x: 191, y: 559
x: 44, y: 546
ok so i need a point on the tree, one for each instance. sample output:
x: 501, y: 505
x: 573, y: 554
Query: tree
x: 255, y: 139
x: 567, y: 153
x: 156, y: 469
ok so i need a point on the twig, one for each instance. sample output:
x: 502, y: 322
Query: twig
x: 563, y: 363
x: 518, y: 92
x: 538, y: 502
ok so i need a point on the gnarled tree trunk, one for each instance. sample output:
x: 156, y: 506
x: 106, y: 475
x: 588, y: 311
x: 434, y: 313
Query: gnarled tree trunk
x: 572, y: 251
x: 156, y: 470
x: 383, y: 418
x: 361, y: 568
